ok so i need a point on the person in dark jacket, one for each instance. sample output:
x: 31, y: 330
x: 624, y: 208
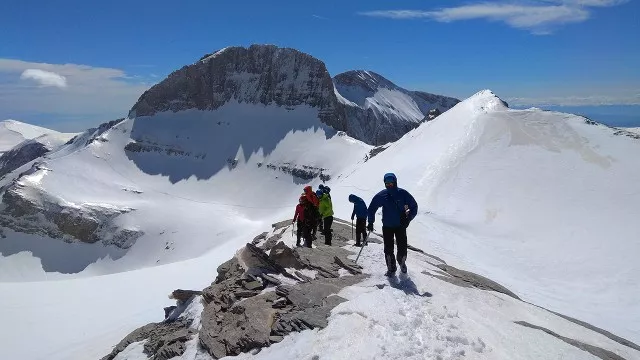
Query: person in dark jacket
x: 398, y: 209
x: 299, y: 216
x: 320, y: 223
x: 360, y: 213
x: 309, y: 221
x: 315, y: 201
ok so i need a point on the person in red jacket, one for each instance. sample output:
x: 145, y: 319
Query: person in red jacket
x: 299, y: 216
x: 313, y: 199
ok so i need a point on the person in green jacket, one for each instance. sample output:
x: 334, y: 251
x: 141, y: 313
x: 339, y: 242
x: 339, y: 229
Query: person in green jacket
x: 326, y: 212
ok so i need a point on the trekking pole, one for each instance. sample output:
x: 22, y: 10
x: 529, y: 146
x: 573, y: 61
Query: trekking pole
x: 351, y: 229
x: 364, y: 243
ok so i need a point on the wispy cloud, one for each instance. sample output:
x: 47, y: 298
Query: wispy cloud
x: 33, y: 89
x: 44, y: 78
x: 319, y: 17
x: 539, y: 17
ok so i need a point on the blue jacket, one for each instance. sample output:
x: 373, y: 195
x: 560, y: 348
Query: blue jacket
x: 359, y: 207
x: 391, y: 212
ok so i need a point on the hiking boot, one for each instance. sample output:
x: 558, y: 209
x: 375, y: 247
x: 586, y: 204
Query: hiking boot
x: 403, y: 268
x: 390, y: 273
x: 358, y: 245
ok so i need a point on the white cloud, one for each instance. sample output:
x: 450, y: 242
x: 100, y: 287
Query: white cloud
x: 45, y: 78
x: 90, y: 92
x: 540, y: 17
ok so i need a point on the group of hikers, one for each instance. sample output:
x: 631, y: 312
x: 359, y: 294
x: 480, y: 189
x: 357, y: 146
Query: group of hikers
x: 315, y: 211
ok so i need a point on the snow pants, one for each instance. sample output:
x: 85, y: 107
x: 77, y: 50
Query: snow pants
x: 400, y: 234
x: 361, y: 230
x: 327, y: 230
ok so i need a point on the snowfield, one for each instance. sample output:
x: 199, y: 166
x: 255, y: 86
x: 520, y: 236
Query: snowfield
x: 14, y: 132
x: 541, y: 202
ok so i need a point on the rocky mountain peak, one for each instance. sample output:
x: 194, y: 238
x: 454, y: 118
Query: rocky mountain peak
x: 364, y: 79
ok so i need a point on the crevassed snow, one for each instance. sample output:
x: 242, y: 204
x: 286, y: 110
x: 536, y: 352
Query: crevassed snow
x: 539, y: 201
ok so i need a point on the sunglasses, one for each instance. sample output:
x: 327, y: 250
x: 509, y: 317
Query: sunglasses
x: 388, y: 184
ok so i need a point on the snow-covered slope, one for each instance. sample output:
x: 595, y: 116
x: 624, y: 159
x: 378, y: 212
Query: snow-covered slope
x: 378, y: 111
x: 14, y: 132
x: 542, y: 202
x: 216, y: 169
x: 634, y: 130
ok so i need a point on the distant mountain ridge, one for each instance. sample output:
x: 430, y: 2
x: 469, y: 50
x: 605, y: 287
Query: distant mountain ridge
x: 378, y: 111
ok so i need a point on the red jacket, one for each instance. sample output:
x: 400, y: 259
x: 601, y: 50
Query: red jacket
x: 311, y: 196
x: 299, y: 214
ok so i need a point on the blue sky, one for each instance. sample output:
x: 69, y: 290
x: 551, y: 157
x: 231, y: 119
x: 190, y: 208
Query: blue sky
x: 72, y: 64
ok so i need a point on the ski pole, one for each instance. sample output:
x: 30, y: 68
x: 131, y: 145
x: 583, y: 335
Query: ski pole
x: 364, y: 243
x: 351, y: 229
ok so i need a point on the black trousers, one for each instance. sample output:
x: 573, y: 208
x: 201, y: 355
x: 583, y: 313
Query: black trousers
x: 306, y: 233
x: 400, y: 234
x: 361, y: 229
x: 299, y: 231
x: 327, y: 229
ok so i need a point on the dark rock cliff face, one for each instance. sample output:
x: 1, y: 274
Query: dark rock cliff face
x: 260, y: 74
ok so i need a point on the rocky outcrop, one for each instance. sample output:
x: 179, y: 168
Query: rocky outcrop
x: 255, y: 300
x: 29, y: 210
x: 20, y: 155
x: 164, y: 340
x: 260, y: 74
x: 378, y: 111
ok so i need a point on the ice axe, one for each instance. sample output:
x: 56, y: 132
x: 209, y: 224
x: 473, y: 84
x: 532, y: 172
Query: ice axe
x: 365, y: 241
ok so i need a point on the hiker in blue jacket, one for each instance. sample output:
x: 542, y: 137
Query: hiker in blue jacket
x: 360, y: 212
x: 398, y: 209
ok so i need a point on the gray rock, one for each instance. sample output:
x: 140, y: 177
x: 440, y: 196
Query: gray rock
x: 20, y: 155
x: 591, y: 349
x: 270, y: 279
x: 376, y: 127
x: 314, y: 293
x: 164, y: 340
x: 257, y: 262
x: 45, y: 214
x: 184, y: 295
x: 253, y: 285
x: 247, y: 325
x: 284, y: 256
x: 259, y: 238
x: 271, y: 242
x: 475, y: 280
x: 271, y: 76
x: 275, y: 339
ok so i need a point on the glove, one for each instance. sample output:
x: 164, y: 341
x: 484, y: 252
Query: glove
x: 370, y: 227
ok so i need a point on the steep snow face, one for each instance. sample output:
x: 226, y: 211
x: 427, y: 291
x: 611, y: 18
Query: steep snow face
x: 545, y: 203
x: 378, y: 111
x: 14, y: 132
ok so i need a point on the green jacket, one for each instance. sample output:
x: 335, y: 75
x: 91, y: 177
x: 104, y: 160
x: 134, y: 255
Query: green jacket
x: 326, y: 208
